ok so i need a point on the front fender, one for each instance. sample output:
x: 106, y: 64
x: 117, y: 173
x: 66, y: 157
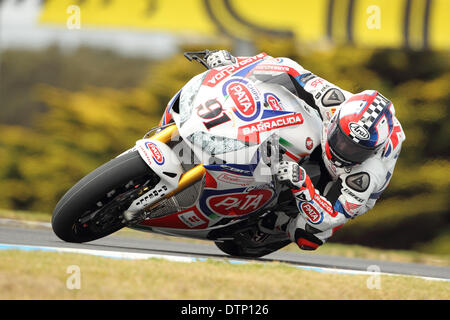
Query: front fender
x: 161, y: 159
x: 165, y: 164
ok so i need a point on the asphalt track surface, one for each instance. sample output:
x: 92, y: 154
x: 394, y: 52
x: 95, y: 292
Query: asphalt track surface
x: 44, y: 236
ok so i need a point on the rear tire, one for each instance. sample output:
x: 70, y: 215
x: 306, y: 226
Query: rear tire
x: 103, y: 191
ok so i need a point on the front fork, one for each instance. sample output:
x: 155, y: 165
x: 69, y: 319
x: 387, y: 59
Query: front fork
x: 163, y: 161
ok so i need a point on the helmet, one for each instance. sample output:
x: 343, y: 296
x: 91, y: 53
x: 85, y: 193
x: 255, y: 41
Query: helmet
x: 360, y: 128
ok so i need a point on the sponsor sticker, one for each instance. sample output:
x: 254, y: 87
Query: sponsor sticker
x: 217, y: 75
x: 234, y: 179
x: 145, y: 153
x: 238, y: 204
x: 245, y: 97
x: 351, y: 194
x: 309, y: 143
x: 190, y: 219
x: 325, y: 205
x: 314, y: 216
x: 236, y: 170
x: 304, y: 78
x: 273, y: 101
x: 250, y: 132
x: 270, y: 68
x: 156, y: 154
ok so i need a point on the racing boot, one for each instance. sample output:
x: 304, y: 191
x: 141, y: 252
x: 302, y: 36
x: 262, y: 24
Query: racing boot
x: 274, y: 222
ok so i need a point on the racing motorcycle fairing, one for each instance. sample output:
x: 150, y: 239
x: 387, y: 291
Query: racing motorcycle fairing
x: 164, y: 163
x: 229, y: 119
x: 208, y: 171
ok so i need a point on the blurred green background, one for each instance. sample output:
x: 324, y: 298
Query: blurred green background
x: 65, y: 112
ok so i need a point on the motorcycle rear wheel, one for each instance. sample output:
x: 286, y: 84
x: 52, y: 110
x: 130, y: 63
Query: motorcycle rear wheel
x: 92, y: 208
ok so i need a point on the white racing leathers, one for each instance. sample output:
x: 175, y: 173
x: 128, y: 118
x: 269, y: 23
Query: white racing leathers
x: 360, y: 185
x: 320, y: 94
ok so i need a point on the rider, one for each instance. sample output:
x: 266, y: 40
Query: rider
x: 361, y: 141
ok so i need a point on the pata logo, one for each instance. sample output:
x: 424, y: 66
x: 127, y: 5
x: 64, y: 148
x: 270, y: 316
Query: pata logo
x: 313, y: 215
x: 156, y: 154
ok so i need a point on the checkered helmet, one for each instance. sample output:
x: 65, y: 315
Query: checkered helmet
x: 361, y: 127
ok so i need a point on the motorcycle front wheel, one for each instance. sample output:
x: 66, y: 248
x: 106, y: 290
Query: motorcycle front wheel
x: 92, y: 208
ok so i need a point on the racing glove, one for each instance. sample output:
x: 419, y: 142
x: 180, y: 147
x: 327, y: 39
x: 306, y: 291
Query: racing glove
x: 219, y: 58
x: 317, y: 219
x: 294, y: 176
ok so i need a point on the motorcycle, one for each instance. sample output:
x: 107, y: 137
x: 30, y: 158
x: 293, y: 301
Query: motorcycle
x: 206, y: 171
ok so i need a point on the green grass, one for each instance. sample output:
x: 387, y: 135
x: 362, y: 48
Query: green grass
x: 43, y: 275
x: 25, y: 215
x: 333, y: 249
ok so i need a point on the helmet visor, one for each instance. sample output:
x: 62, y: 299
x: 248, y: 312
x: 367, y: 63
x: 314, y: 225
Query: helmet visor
x: 347, y: 151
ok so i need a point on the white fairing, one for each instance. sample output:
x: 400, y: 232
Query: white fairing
x: 247, y: 112
x: 163, y: 161
x: 229, y: 120
x: 306, y: 136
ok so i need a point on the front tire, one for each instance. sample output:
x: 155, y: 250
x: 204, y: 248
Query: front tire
x: 92, y: 208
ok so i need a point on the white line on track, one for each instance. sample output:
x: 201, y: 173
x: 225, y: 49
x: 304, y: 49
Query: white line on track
x: 144, y: 256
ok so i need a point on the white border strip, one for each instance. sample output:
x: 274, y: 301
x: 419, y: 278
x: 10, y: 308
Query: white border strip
x: 100, y: 253
x: 144, y: 256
